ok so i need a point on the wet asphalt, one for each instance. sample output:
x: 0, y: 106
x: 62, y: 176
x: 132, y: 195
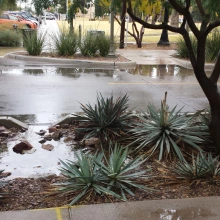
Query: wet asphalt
x: 35, y: 88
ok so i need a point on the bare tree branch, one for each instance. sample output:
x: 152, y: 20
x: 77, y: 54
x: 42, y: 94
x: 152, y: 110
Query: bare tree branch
x: 185, y: 12
x: 212, y: 26
x: 200, y: 7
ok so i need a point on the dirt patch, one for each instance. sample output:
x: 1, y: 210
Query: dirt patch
x: 35, y: 193
x: 31, y: 193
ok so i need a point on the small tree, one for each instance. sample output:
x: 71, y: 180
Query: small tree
x: 209, y: 11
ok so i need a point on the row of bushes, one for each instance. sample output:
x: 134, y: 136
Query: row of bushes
x: 212, y: 46
x: 68, y: 43
x: 10, y: 38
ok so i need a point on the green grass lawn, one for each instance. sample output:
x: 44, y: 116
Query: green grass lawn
x: 150, y: 36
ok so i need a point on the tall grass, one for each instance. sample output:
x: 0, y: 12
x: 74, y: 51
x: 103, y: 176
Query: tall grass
x: 211, y: 50
x: 10, y: 38
x: 182, y: 50
x: 103, y: 44
x: 89, y: 45
x: 65, y: 42
x: 212, y: 46
x: 34, y: 42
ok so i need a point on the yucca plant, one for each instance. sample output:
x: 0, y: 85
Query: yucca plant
x: 191, y: 171
x: 107, y: 120
x: 122, y: 173
x: 100, y: 175
x: 164, y: 132
x: 65, y: 42
x: 34, y: 43
x: 83, y: 177
x: 201, y: 167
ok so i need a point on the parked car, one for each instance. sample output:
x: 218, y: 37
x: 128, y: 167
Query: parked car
x: 25, y: 16
x: 29, y: 23
x: 49, y: 16
x: 16, y: 22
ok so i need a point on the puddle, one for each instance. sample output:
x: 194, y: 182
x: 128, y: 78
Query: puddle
x: 182, y: 214
x: 41, y: 162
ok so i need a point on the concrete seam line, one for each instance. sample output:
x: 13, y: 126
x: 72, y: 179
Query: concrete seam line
x: 58, y: 214
x: 70, y: 213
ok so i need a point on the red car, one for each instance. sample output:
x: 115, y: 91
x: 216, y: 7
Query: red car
x: 13, y: 20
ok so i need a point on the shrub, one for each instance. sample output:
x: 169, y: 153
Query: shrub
x: 66, y: 43
x: 89, y: 45
x: 182, y: 50
x: 90, y: 175
x: 165, y: 132
x: 107, y: 120
x: 212, y: 46
x: 211, y: 50
x: 103, y: 44
x: 10, y: 38
x: 34, y: 42
x: 201, y: 167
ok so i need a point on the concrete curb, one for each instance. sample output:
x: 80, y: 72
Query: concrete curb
x: 10, y: 122
x: 84, y: 63
x: 186, y: 64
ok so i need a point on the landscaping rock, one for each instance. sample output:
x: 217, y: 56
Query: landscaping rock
x: 57, y: 135
x: 42, y: 141
x: 52, y: 129
x: 5, y: 174
x: 68, y: 139
x: 48, y: 147
x: 48, y: 137
x: 42, y: 132
x: 2, y: 129
x: 23, y: 146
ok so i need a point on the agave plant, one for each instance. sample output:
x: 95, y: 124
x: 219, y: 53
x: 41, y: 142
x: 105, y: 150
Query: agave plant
x: 164, y: 132
x: 201, y: 167
x: 122, y: 173
x: 106, y: 120
x: 83, y: 177
x: 94, y: 174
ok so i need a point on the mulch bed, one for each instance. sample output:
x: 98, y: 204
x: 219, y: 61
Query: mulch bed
x: 30, y: 193
x: 35, y: 193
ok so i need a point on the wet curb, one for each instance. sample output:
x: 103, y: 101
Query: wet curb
x: 187, y: 64
x: 10, y: 122
x: 84, y: 63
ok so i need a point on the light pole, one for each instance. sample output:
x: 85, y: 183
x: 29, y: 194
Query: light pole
x: 164, y: 41
x: 111, y: 52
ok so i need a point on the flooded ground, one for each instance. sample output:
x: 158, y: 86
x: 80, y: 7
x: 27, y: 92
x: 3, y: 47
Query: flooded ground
x: 39, y: 162
x: 50, y: 91
x: 42, y: 95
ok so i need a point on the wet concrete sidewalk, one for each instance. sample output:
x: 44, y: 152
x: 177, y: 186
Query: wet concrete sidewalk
x: 170, y: 209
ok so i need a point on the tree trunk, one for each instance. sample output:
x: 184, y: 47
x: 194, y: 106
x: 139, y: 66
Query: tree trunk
x: 122, y: 34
